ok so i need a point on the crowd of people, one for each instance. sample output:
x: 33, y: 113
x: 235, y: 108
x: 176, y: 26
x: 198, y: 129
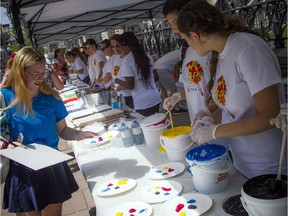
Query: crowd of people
x: 231, y: 81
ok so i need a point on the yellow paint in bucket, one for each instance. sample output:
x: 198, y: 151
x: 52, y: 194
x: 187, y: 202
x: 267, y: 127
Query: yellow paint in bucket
x: 177, y: 131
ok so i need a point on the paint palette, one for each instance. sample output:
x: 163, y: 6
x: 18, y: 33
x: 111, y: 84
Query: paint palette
x: 98, y: 141
x: 131, y: 208
x: 160, y: 191
x: 115, y: 186
x: 164, y: 171
x: 193, y: 204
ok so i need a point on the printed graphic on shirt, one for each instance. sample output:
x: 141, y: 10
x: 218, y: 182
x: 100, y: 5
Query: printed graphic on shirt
x: 220, y: 93
x: 115, y: 70
x: 195, y: 74
x: 95, y: 62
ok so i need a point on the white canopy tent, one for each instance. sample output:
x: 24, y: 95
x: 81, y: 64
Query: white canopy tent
x: 51, y: 21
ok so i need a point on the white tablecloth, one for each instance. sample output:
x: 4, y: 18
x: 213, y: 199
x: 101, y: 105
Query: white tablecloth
x: 103, y: 163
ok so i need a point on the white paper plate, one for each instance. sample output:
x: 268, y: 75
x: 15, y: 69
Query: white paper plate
x: 131, y: 208
x: 160, y: 191
x: 115, y: 186
x: 192, y: 204
x: 98, y: 141
x: 167, y: 170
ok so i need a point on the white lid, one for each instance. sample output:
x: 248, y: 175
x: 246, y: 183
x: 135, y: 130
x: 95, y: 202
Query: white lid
x: 153, y: 119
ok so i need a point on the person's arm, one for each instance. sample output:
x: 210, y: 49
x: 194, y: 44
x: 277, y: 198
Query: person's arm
x: 106, y: 79
x: 101, y: 65
x: 58, y: 84
x: 268, y: 106
x: 80, y: 71
x: 5, y: 78
x: 68, y: 133
x: 127, y: 84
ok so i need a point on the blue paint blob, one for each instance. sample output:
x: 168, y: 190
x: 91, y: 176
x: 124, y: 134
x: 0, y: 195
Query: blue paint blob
x: 143, y: 210
x: 207, y: 153
x: 166, y: 194
x: 93, y: 142
x: 191, y: 201
x: 106, y: 189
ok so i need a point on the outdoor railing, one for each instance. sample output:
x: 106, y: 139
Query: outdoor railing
x: 268, y: 17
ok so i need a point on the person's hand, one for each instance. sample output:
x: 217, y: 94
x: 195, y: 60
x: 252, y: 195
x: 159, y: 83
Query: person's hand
x: 170, y: 102
x: 281, y: 119
x: 80, y: 135
x: 200, y: 114
x: 203, y: 132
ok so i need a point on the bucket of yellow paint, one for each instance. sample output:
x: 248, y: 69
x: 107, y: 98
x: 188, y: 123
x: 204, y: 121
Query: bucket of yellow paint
x: 177, y: 139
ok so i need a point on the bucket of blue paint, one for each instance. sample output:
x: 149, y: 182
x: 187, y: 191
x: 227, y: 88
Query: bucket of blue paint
x: 209, y: 167
x: 208, y: 156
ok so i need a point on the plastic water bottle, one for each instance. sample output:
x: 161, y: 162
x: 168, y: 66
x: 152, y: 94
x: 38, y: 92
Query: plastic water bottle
x: 126, y: 135
x: 122, y: 102
x: 138, y: 137
x: 114, y: 101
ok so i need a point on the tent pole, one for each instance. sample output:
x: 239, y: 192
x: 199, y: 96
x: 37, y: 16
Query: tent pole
x: 16, y: 21
x: 155, y: 35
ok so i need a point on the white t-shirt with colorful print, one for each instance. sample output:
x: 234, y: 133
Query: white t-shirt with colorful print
x: 115, y: 72
x: 196, y: 75
x: 246, y: 66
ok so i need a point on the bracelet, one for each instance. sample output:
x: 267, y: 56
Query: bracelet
x: 5, y: 145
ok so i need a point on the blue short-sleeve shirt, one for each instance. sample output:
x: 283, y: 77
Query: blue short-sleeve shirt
x: 41, y: 128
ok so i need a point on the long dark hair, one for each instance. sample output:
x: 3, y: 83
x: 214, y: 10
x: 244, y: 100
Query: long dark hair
x: 141, y: 59
x: 205, y: 19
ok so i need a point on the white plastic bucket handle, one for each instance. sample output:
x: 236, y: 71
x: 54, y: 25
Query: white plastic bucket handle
x: 181, y: 150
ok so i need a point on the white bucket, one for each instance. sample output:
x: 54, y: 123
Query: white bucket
x: 265, y: 206
x: 177, y: 155
x: 208, y: 156
x: 152, y: 134
x: 178, y: 140
x: 209, y: 181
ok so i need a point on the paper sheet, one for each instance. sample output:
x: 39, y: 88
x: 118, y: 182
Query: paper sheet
x: 35, y: 156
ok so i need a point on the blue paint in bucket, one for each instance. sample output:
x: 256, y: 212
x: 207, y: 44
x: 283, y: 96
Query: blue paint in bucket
x: 207, y: 154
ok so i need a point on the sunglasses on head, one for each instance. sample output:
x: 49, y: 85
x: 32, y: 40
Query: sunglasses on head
x: 117, y: 46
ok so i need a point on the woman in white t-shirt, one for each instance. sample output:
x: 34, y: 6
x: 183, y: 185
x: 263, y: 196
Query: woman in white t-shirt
x: 78, y: 66
x: 139, y: 73
x: 113, y: 69
x: 247, y: 87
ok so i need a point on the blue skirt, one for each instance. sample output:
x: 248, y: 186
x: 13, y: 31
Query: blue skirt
x: 28, y: 190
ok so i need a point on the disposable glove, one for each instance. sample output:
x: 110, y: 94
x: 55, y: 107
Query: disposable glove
x: 203, y: 132
x: 281, y: 119
x: 170, y: 102
x: 200, y: 114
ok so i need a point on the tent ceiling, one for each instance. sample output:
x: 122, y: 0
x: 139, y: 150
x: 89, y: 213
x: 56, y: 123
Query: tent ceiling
x: 50, y: 20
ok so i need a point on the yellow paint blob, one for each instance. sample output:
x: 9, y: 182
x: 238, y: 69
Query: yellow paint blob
x: 122, y: 182
x: 182, y: 214
x: 181, y: 130
x: 157, y: 187
x: 119, y: 214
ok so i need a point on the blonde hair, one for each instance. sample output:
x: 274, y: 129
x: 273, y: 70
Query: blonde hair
x: 26, y: 57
